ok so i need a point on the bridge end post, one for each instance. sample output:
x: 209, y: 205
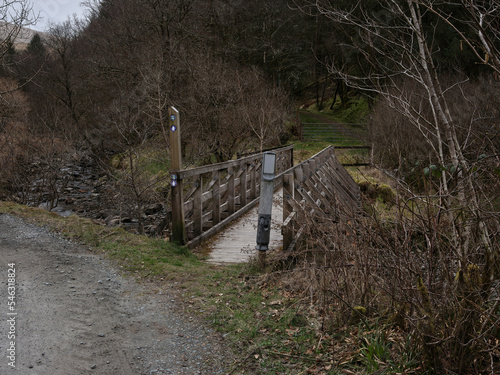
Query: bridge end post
x: 178, y: 223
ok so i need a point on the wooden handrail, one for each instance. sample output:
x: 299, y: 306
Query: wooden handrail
x: 320, y: 185
x: 221, y: 192
x: 226, y: 164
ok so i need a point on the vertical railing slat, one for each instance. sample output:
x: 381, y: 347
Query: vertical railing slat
x: 197, y: 207
x: 288, y: 232
x: 243, y: 185
x: 230, y: 191
x: 216, y: 198
x: 253, y: 182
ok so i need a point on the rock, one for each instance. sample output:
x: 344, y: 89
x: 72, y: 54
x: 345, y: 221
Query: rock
x: 101, y: 215
x: 113, y: 223
x: 153, y: 209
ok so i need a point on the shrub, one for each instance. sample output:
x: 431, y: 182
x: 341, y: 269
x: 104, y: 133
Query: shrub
x: 404, y: 273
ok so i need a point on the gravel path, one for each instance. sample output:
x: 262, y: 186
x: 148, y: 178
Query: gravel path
x: 74, y: 314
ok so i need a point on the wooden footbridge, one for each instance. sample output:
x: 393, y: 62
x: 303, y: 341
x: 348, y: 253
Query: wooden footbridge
x: 216, y: 204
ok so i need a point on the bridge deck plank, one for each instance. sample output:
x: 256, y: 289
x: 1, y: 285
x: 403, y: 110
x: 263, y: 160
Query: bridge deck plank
x: 236, y: 244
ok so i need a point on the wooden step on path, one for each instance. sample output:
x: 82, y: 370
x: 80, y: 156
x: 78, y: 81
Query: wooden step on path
x: 236, y: 243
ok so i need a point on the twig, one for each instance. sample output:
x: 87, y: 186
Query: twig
x: 352, y: 308
x: 294, y: 356
x: 238, y: 363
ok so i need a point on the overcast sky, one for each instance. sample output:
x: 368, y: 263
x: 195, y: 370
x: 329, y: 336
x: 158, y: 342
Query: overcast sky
x: 56, y: 11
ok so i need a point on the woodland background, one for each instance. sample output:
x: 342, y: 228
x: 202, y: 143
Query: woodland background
x: 423, y: 259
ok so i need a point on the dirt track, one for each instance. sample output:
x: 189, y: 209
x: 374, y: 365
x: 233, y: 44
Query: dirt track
x: 77, y: 315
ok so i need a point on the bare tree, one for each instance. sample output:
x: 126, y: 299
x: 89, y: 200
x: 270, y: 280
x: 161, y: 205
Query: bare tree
x: 262, y: 108
x: 136, y: 183
x: 14, y: 15
x: 395, y: 43
x: 482, y: 21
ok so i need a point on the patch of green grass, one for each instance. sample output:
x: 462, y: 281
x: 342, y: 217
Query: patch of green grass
x: 156, y: 167
x: 355, y: 112
x: 353, y: 156
x: 137, y: 254
x: 271, y: 331
x: 303, y: 150
x: 149, y: 161
x: 375, y: 350
x: 310, y: 117
x: 342, y: 126
x: 274, y: 332
x: 379, y: 350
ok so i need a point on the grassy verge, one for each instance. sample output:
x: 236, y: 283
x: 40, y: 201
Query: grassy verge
x: 304, y: 150
x: 271, y: 329
x: 325, y: 127
x: 139, y: 255
x: 276, y: 331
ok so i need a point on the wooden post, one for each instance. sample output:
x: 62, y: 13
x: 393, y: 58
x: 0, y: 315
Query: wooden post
x: 306, y: 172
x: 313, y: 165
x: 287, y: 210
x: 230, y: 191
x: 243, y: 185
x: 253, y: 181
x: 299, y: 174
x: 197, y: 207
x: 178, y: 223
x: 216, y: 199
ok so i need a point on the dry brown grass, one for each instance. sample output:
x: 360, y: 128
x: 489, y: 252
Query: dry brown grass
x: 400, y: 270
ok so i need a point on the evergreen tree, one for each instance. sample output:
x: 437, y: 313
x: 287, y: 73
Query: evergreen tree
x: 36, y: 46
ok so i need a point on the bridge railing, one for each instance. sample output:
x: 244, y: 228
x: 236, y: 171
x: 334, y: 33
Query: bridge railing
x: 217, y: 194
x: 320, y: 186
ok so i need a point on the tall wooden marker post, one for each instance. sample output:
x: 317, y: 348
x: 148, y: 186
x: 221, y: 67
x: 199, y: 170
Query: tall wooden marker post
x: 178, y: 223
